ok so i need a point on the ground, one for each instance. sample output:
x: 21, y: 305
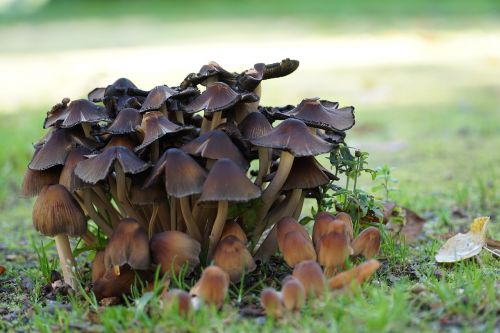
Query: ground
x: 423, y: 78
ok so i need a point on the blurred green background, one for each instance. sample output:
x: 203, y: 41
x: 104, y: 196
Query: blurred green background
x: 424, y: 75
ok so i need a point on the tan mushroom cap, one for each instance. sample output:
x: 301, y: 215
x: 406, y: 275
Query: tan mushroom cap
x: 233, y: 257
x: 288, y: 224
x: 212, y: 286
x: 232, y: 228
x: 56, y: 212
x: 125, y: 122
x: 321, y: 225
x: 296, y: 248
x: 174, y: 249
x: 346, y: 218
x: 311, y: 276
x: 367, y: 243
x: 179, y: 298
x: 293, y: 136
x: 354, y: 276
x: 112, y: 285
x: 227, y: 182
x: 333, y: 249
x: 293, y: 294
x: 271, y: 302
x: 129, y: 244
x: 34, y: 180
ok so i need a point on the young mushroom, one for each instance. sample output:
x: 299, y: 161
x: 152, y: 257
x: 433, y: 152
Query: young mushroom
x: 179, y: 300
x: 232, y: 228
x: 333, y: 248
x: 271, y: 302
x: 367, y: 243
x: 294, y: 242
x: 354, y: 276
x: 233, y: 257
x: 212, y: 286
x: 293, y: 294
x: 174, y: 249
x: 311, y: 276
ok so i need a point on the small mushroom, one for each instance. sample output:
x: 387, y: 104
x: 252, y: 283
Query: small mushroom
x: 112, y: 285
x: 232, y: 228
x: 311, y: 276
x: 233, y: 257
x: 57, y: 214
x: 212, y: 286
x: 322, y: 222
x: 174, y: 249
x: 333, y: 249
x: 294, y: 242
x: 354, y: 276
x: 125, y: 122
x: 178, y: 299
x: 271, y: 302
x: 346, y: 218
x: 293, y: 293
x: 367, y: 243
x: 98, y: 268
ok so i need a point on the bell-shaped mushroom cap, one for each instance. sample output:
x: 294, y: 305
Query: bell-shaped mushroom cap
x: 83, y: 111
x: 218, y: 96
x: 296, y: 248
x: 215, y: 145
x: 160, y: 94
x: 139, y: 195
x: 129, y: 244
x: 125, y: 122
x: 367, y: 243
x: 98, y: 166
x: 288, y: 224
x: 54, y: 148
x: 280, y: 69
x: 56, y: 114
x: 323, y: 114
x: 305, y: 173
x: 123, y: 86
x: 35, y: 180
x: 227, y: 182
x: 346, y: 218
x: 56, y: 212
x: 333, y: 249
x: 98, y: 268
x: 293, y: 136
x: 68, y: 178
x: 254, y: 126
x: 311, y: 276
x: 206, y: 71
x: 271, y: 302
x: 183, y: 175
x: 232, y: 228
x: 354, y: 276
x: 179, y: 299
x: 155, y: 125
x: 293, y: 293
x: 212, y: 286
x: 112, y: 285
x: 321, y: 226
x: 174, y: 249
x: 233, y: 257
x: 251, y: 78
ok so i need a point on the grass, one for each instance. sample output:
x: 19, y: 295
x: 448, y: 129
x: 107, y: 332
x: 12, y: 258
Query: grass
x: 436, y: 125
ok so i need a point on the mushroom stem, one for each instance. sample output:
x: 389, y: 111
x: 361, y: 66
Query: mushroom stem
x: 300, y: 204
x: 220, y: 220
x: 264, y: 159
x: 164, y: 216
x: 173, y: 214
x: 269, y: 194
x: 105, y: 207
x: 101, y: 223
x: 155, y: 151
x: 205, y: 125
x: 153, y: 220
x: 179, y: 115
x: 88, y: 238
x: 191, y: 226
x: 121, y: 183
x: 163, y: 109
x: 216, y: 119
x: 66, y: 258
x: 87, y: 129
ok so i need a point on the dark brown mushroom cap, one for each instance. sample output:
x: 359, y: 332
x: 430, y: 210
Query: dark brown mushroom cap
x: 125, y: 122
x: 305, y: 173
x: 332, y: 136
x: 56, y: 212
x: 218, y: 96
x: 123, y: 86
x: 160, y: 94
x: 323, y: 114
x: 254, y: 126
x: 155, y: 125
x: 129, y: 244
x: 227, y: 182
x: 209, y: 70
x: 141, y: 195
x: 174, y: 249
x: 83, y: 111
x: 98, y: 166
x: 280, y: 69
x: 96, y: 95
x: 56, y: 114
x: 293, y: 136
x: 112, y: 285
x: 250, y: 79
x: 34, y: 180
x: 68, y: 178
x: 215, y: 145
x: 55, y: 147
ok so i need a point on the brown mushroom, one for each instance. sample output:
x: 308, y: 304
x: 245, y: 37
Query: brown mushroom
x: 293, y: 293
x: 112, y: 285
x: 271, y: 302
x: 367, y: 243
x: 294, y: 242
x: 333, y: 249
x: 346, y: 218
x: 354, y: 276
x: 35, y: 180
x: 125, y: 122
x: 212, y: 286
x: 322, y: 222
x: 311, y: 276
x: 174, y: 249
x: 232, y: 228
x: 179, y: 300
x: 233, y: 257
x: 98, y: 268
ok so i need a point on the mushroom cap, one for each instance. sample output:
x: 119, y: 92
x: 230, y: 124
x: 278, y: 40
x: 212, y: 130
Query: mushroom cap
x: 227, y: 182
x: 280, y: 69
x: 333, y: 137
x: 251, y: 78
x: 271, y: 302
x: 212, y: 286
x: 305, y: 173
x: 129, y: 244
x: 355, y: 275
x: 296, y: 248
x: 311, y: 276
x: 125, y: 122
x: 56, y: 212
x: 323, y: 114
x: 214, y: 145
x: 68, y: 178
x: 367, y: 243
x: 346, y: 218
x: 84, y: 111
x: 160, y: 94
x: 232, y: 228
x: 288, y: 224
x: 35, y: 180
x: 98, y: 268
x: 99, y: 166
x: 173, y: 249
x: 254, y: 126
x: 321, y: 225
x: 293, y: 293
x: 155, y: 125
x: 180, y: 299
x: 293, y: 136
x: 233, y: 257
x: 333, y: 249
x: 112, y: 285
x: 209, y: 70
x: 56, y: 114
x: 217, y: 97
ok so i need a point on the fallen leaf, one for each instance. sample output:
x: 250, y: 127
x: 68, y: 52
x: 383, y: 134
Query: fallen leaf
x: 463, y: 246
x: 2, y: 270
x: 413, y: 226
x: 493, y: 243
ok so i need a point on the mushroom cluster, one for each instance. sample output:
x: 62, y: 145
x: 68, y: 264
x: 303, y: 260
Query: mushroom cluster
x: 181, y: 176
